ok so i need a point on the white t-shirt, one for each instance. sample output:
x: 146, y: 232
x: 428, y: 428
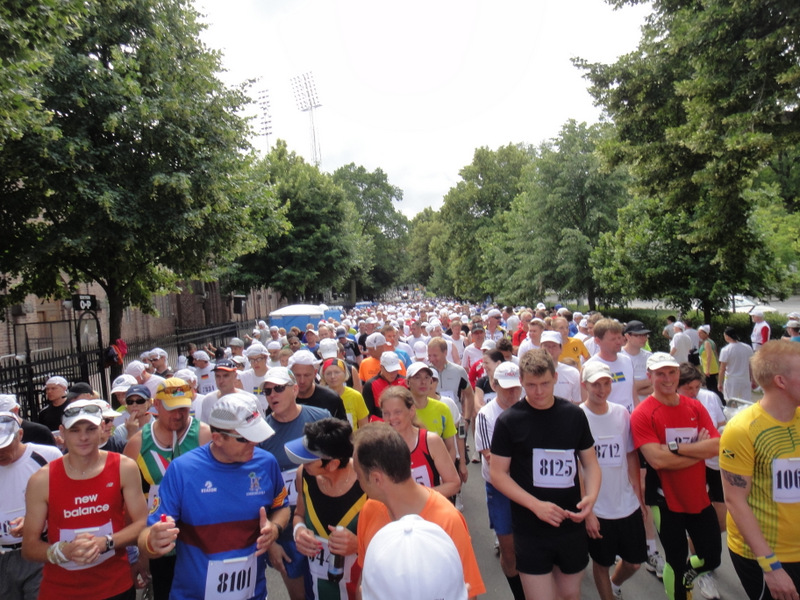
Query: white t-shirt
x: 714, y: 407
x: 252, y: 383
x: 568, y: 385
x: 694, y: 336
x: 206, y: 382
x: 612, y: 442
x: 526, y: 345
x: 13, y: 480
x: 484, y: 429
x: 591, y: 347
x: 621, y: 380
x: 682, y: 344
x: 639, y: 362
x: 471, y: 356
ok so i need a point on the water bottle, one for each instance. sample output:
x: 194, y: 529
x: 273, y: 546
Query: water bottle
x: 336, y: 568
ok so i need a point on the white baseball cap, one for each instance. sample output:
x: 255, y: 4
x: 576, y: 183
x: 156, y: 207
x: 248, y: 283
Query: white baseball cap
x: 659, y: 360
x: 412, y: 558
x: 551, y: 336
x: 122, y: 383
x: 375, y: 340
x: 507, y: 375
x: 82, y: 410
x: 8, y: 402
x: 594, y: 370
x: 9, y: 426
x: 328, y: 348
x: 303, y: 357
x: 390, y: 361
x: 239, y: 412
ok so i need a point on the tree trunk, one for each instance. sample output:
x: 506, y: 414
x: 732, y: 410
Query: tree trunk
x: 591, y: 300
x: 115, y: 309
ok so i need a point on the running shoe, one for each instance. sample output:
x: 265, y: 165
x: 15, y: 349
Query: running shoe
x: 707, y: 586
x: 617, y: 594
x: 655, y: 564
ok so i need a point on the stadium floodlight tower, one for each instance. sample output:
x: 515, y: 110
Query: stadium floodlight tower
x: 266, y: 115
x: 305, y: 94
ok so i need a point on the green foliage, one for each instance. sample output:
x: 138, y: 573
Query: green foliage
x: 325, y: 243
x: 469, y: 218
x: 142, y: 177
x: 417, y: 267
x: 31, y: 32
x: 383, y: 225
x: 705, y: 101
x: 567, y: 200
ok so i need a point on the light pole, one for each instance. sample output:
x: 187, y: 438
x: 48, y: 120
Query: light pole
x: 305, y: 94
x: 266, y: 115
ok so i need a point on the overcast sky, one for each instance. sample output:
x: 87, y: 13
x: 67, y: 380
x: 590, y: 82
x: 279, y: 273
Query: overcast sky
x: 414, y: 87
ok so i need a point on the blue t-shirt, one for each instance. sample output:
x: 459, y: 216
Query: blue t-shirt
x: 216, y: 507
x: 286, y: 432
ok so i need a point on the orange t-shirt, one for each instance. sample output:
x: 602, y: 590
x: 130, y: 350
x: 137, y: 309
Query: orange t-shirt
x: 371, y: 366
x: 437, y: 509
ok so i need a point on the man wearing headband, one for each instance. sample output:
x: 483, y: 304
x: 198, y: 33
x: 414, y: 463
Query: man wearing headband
x: 91, y: 491
x: 154, y: 447
x: 221, y: 507
x: 18, y: 462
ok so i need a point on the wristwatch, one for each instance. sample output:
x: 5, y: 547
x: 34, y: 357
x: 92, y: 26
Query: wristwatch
x: 109, y: 543
x: 673, y: 447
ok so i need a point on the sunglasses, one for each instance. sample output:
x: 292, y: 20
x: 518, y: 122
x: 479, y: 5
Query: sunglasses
x: 278, y: 389
x: 108, y: 421
x: 130, y: 401
x: 76, y: 410
x: 239, y: 439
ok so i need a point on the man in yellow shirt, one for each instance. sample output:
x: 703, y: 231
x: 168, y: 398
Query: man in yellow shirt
x: 760, y: 463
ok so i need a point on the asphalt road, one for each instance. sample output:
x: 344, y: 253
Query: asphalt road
x: 643, y: 585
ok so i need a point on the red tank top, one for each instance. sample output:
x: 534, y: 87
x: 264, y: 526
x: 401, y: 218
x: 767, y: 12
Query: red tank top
x: 423, y: 469
x: 95, y: 504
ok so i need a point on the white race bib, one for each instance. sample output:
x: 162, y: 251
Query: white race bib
x: 554, y: 468
x: 420, y: 475
x: 67, y: 535
x: 6, y: 538
x: 610, y: 451
x: 231, y: 579
x: 682, y: 435
x: 289, y: 480
x: 786, y: 480
x: 320, y: 563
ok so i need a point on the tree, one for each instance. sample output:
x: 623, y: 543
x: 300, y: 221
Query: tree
x: 469, y: 217
x: 324, y: 244
x: 141, y: 179
x: 568, y: 199
x: 708, y: 97
x: 32, y: 31
x: 374, y: 197
x: 417, y: 267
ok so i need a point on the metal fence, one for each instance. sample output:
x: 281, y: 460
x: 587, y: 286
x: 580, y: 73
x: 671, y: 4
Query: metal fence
x: 25, y: 373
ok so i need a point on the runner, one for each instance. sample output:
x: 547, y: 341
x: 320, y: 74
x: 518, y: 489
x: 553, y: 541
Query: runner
x: 536, y: 447
x: 758, y: 456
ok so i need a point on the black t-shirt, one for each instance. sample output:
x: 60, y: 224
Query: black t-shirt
x: 37, y: 433
x: 522, y: 431
x: 327, y: 399
x: 51, y: 416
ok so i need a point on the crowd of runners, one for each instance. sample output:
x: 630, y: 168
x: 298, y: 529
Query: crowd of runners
x: 336, y: 454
